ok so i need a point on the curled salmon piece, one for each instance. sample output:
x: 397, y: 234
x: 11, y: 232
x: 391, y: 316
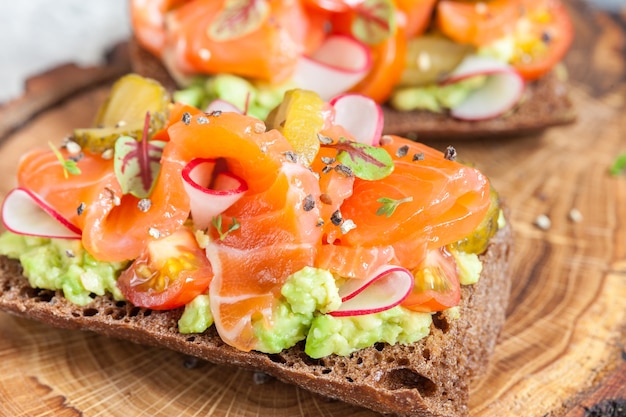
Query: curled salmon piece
x: 115, y: 227
x: 428, y: 201
x: 148, y: 21
x: 277, y: 231
x: 261, y: 40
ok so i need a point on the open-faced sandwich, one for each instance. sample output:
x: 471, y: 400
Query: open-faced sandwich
x: 363, y: 267
x: 440, y: 67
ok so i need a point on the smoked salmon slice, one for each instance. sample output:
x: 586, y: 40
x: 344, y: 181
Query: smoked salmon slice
x: 278, y: 232
x: 434, y: 201
x: 114, y: 227
x: 260, y: 40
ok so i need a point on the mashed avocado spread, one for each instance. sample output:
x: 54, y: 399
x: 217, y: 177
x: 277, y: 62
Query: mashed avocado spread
x: 299, y: 314
x: 60, y: 264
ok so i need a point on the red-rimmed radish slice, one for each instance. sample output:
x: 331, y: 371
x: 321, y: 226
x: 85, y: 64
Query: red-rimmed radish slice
x: 502, y: 89
x: 386, y: 288
x: 337, y: 65
x: 210, y: 192
x: 222, y: 106
x: 359, y: 115
x: 25, y: 213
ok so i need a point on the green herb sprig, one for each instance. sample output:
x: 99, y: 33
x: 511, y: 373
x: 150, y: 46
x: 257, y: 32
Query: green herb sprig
x: 69, y: 166
x: 390, y: 205
x: 217, y: 223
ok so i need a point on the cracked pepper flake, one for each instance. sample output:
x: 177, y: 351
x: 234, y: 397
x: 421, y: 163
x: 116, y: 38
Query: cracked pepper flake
x: 186, y: 118
x: 81, y: 208
x: 309, y: 203
x: 418, y: 156
x: 450, y: 153
x: 402, y: 151
x: 336, y: 218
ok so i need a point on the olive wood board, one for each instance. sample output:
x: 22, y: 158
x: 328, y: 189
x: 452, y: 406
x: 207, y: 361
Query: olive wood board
x: 562, y: 350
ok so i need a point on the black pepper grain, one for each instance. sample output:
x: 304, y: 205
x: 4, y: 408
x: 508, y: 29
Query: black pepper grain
x: 450, y: 153
x: 344, y: 169
x: 402, y: 151
x: 309, y: 203
x: 418, y: 156
x: 336, y: 218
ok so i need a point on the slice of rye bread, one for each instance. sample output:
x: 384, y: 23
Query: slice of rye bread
x: 545, y: 104
x: 428, y: 378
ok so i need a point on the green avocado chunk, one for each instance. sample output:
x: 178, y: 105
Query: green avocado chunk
x: 344, y: 335
x: 62, y: 264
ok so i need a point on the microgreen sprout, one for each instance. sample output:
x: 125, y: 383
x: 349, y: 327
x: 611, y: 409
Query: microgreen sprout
x: 69, y: 165
x: 217, y: 223
x: 389, y: 205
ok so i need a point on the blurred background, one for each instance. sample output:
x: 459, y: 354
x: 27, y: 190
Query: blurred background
x: 42, y: 34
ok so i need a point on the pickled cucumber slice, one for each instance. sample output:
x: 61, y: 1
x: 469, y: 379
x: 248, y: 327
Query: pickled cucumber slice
x: 299, y: 117
x: 429, y: 58
x: 124, y: 112
x: 478, y: 241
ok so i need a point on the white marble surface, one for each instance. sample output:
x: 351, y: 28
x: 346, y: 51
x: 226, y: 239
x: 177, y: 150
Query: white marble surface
x: 42, y: 34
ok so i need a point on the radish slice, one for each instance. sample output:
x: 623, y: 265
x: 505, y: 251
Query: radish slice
x: 223, y: 106
x: 25, y: 213
x: 387, y: 287
x: 205, y: 203
x: 339, y: 64
x: 502, y: 90
x: 360, y: 115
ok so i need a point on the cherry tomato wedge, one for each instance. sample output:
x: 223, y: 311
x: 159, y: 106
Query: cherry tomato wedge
x: 548, y: 34
x: 415, y: 15
x: 477, y: 23
x: 170, y: 273
x: 437, y: 285
x: 388, y: 63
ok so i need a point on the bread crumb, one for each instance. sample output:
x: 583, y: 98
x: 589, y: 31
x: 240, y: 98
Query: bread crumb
x: 543, y: 222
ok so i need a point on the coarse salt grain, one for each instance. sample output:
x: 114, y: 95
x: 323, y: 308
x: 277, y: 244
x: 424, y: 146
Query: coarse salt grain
x: 543, y: 222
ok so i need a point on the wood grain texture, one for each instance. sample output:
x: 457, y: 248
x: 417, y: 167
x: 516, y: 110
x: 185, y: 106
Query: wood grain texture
x: 563, y: 346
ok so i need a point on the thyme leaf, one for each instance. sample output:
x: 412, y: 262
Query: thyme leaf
x: 217, y: 223
x: 389, y: 205
x: 69, y: 166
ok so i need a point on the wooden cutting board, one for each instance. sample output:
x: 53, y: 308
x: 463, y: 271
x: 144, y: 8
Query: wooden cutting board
x: 563, y: 346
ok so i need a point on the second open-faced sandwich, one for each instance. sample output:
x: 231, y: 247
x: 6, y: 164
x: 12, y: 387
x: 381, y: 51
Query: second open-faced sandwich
x: 441, y: 68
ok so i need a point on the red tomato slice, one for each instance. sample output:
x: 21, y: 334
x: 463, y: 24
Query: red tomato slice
x: 548, y: 36
x: 170, y: 273
x: 388, y: 63
x: 437, y: 285
x: 477, y: 23
x: 415, y: 15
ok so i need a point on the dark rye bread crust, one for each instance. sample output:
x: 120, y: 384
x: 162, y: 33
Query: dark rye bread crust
x: 545, y: 104
x: 428, y: 378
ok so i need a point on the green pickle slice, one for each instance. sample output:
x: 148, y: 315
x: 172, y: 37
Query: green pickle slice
x: 478, y: 241
x: 124, y: 113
